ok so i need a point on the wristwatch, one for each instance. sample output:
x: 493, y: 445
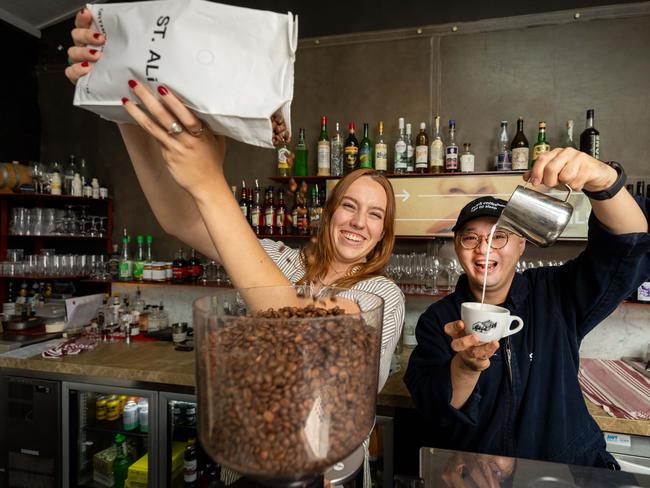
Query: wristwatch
x: 608, y: 193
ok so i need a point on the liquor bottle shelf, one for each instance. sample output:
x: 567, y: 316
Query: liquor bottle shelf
x: 207, y: 284
x: 44, y: 277
x: 284, y: 236
x: 55, y: 236
x: 286, y: 179
x: 45, y: 197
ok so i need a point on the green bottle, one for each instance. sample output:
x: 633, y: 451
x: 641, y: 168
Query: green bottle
x: 126, y: 264
x: 300, y: 165
x: 365, y: 149
x: 138, y: 264
x: 122, y: 461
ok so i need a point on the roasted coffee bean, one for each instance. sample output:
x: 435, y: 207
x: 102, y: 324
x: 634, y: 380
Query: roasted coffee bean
x: 290, y: 391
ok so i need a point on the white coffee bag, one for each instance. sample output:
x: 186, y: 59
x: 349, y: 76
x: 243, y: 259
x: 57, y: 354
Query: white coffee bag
x: 232, y: 66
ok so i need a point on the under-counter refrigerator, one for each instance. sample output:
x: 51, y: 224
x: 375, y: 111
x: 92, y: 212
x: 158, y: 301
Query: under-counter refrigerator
x: 178, y: 421
x: 92, y: 416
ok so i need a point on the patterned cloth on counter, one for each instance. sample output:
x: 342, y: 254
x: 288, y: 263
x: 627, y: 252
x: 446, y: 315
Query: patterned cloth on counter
x: 69, y: 348
x: 621, y: 390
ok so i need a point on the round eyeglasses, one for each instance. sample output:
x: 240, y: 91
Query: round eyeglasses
x: 471, y: 240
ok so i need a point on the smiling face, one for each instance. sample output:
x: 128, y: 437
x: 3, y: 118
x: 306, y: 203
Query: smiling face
x: 357, y: 224
x: 501, y: 265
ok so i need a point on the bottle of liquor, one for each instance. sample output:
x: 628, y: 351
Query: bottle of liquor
x: 301, y: 164
x: 257, y: 217
x: 467, y: 159
x: 590, y: 137
x: 281, y: 215
x: 323, y: 149
x: 149, y: 249
x: 299, y: 215
x: 640, y: 188
x: 244, y: 204
x: 520, y: 148
x: 422, y: 150
x: 283, y: 160
x: 55, y: 178
x: 410, y: 151
x: 365, y: 149
x: 114, y: 263
x: 541, y: 146
x: 400, y: 149
x: 83, y: 173
x: 504, y: 158
x: 138, y: 303
x: 193, y: 267
x: 126, y: 264
x: 179, y: 268
x: 68, y: 175
x: 336, y: 157
x: 138, y: 264
x: 351, y: 151
x: 190, y: 464
x: 451, y: 150
x: 21, y: 300
x: 568, y: 141
x: 381, y: 150
x: 437, y: 154
x: 269, y: 212
x: 122, y: 461
x: 315, y: 211
x: 9, y: 307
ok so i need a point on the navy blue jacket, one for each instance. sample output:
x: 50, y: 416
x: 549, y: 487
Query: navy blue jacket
x: 530, y: 406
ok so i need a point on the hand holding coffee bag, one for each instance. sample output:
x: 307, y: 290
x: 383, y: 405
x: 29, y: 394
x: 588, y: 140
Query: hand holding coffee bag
x: 232, y: 66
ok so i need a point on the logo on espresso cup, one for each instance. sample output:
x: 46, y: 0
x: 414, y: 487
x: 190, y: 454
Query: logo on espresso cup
x: 489, y: 322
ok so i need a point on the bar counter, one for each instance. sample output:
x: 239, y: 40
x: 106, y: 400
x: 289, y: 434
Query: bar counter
x: 158, y: 362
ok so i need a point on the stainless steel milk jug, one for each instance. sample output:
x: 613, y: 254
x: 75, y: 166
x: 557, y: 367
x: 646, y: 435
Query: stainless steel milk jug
x: 535, y: 216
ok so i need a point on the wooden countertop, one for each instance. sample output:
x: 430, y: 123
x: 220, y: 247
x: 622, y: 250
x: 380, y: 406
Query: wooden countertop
x: 395, y: 394
x: 153, y: 362
x: 158, y: 362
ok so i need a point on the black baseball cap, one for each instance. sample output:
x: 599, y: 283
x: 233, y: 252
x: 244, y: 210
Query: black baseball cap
x: 480, y: 207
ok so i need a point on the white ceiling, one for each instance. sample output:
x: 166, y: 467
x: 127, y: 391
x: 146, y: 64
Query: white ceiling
x: 34, y: 15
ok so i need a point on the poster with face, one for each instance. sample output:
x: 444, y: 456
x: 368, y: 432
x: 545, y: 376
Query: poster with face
x: 429, y: 205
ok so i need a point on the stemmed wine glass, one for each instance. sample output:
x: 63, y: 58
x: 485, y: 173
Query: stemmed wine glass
x: 39, y: 176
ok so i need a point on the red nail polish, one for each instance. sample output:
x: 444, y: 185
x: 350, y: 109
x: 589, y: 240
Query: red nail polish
x: 124, y: 100
x: 85, y: 64
x: 83, y: 9
x: 96, y: 35
x: 163, y: 90
x: 133, y: 83
x: 92, y: 51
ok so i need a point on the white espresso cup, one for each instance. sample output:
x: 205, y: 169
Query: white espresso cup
x: 489, y: 322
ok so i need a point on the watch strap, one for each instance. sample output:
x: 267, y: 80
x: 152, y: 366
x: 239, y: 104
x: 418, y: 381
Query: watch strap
x: 608, y: 193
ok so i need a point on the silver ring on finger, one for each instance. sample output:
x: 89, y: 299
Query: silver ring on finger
x: 175, y: 129
x: 197, y: 132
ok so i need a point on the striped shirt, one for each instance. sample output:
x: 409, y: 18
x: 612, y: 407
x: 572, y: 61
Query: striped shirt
x: 292, y: 266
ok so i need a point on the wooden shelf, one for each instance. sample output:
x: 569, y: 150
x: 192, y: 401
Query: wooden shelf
x: 54, y: 236
x: 286, y: 179
x: 284, y: 236
x: 209, y: 284
x: 44, y: 278
x: 45, y: 197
